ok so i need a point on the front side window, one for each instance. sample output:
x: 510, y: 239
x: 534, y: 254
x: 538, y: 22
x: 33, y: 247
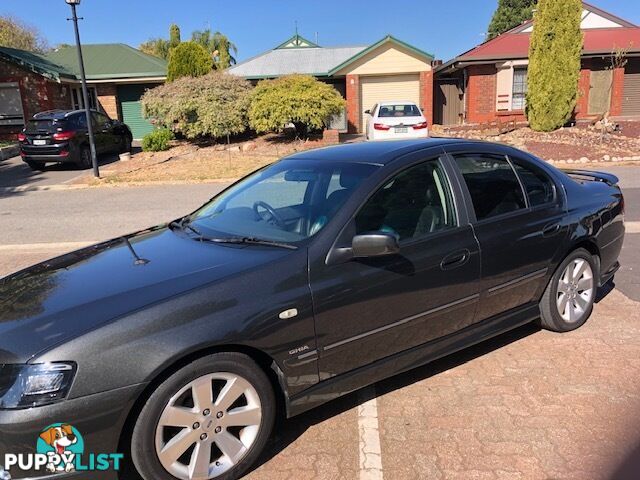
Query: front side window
x: 288, y: 201
x: 539, y: 187
x: 492, y: 183
x: 519, y: 92
x: 412, y: 204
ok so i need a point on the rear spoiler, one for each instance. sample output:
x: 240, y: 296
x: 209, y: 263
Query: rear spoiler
x: 592, y: 176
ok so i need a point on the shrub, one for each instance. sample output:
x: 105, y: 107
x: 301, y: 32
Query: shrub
x: 554, y: 63
x: 157, y: 141
x: 298, y: 99
x: 188, y: 59
x: 214, y: 105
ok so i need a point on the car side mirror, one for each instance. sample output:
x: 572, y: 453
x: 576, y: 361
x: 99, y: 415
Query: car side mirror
x: 374, y: 244
x: 368, y: 112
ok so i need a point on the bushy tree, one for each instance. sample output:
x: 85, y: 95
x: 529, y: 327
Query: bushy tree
x: 213, y: 105
x: 15, y: 34
x: 158, y: 47
x: 554, y: 63
x: 188, y: 60
x: 298, y: 99
x: 174, y: 36
x: 510, y: 14
x: 218, y: 45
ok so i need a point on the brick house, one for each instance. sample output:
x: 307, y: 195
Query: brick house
x: 117, y: 76
x: 489, y: 82
x: 389, y: 69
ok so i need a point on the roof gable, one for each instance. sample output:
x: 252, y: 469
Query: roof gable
x: 297, y: 42
x: 592, y: 18
x: 388, y: 40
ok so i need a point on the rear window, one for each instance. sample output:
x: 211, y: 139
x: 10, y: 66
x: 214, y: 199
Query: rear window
x: 48, y: 126
x: 400, y: 110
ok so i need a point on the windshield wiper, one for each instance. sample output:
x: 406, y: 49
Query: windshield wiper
x: 183, y: 225
x: 249, y: 241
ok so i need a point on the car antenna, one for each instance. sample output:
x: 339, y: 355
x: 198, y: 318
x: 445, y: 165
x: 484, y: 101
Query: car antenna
x: 137, y: 259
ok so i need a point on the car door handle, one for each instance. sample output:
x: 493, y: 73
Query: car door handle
x: 551, y: 230
x: 455, y: 259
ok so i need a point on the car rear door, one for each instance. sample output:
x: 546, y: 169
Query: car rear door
x: 517, y: 214
x: 368, y: 309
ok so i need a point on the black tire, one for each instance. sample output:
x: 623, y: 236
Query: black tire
x: 84, y: 157
x: 550, y: 316
x: 35, y: 166
x: 143, y: 449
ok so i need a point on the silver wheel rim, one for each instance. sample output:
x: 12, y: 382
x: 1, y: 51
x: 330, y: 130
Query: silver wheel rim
x: 208, y: 426
x: 575, y: 290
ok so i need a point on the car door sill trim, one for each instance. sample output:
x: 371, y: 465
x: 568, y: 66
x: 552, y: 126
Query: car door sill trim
x: 517, y: 281
x: 402, y: 322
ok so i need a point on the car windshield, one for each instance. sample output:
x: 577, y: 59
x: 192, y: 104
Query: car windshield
x: 399, y: 110
x: 288, y: 201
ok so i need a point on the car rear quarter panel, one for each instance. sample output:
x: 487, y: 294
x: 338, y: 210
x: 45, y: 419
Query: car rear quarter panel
x: 595, y: 210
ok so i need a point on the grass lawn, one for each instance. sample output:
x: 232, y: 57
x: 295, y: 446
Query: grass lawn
x: 4, y: 143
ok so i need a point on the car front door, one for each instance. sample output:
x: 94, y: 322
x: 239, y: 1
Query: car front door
x: 518, y: 221
x: 369, y: 308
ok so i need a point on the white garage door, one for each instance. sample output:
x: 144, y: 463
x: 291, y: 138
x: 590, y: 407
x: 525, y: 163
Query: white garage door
x: 381, y: 89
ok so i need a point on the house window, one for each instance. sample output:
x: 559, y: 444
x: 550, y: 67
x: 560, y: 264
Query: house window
x: 11, y: 105
x: 519, y: 88
x: 77, y: 99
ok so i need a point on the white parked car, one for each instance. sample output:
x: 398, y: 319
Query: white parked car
x: 395, y: 120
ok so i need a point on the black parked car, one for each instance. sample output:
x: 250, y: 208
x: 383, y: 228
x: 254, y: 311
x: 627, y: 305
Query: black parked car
x: 313, y: 277
x: 61, y: 136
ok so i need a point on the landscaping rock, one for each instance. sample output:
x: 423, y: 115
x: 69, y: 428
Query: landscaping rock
x: 249, y: 146
x: 234, y: 148
x: 584, y: 160
x: 606, y: 158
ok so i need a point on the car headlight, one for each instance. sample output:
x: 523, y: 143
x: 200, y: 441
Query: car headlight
x: 24, y: 386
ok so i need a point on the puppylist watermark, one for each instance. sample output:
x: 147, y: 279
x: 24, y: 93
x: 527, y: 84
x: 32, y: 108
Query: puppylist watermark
x: 60, y: 448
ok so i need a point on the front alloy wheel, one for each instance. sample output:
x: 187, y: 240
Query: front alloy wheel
x: 208, y: 420
x: 208, y: 426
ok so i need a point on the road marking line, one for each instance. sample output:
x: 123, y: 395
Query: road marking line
x: 369, y: 435
x: 22, y: 247
x: 632, y: 227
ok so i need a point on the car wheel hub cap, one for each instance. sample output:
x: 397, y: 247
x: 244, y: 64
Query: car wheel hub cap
x: 575, y: 290
x: 191, y: 444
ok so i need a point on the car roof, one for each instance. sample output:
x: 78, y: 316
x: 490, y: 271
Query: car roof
x: 56, y: 114
x: 398, y: 102
x: 379, y: 153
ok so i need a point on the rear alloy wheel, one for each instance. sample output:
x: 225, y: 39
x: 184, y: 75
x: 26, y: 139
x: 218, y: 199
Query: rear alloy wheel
x: 568, y: 300
x: 209, y: 420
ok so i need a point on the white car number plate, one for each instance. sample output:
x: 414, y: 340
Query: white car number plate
x: 401, y: 129
x: 39, y: 142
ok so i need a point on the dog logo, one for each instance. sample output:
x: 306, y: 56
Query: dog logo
x: 62, y: 443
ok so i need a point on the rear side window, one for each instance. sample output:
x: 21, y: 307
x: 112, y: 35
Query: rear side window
x: 492, y: 183
x: 539, y: 187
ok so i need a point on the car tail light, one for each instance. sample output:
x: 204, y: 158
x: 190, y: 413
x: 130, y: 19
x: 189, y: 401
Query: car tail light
x: 381, y: 126
x: 63, y: 136
x: 420, y: 126
x: 22, y: 137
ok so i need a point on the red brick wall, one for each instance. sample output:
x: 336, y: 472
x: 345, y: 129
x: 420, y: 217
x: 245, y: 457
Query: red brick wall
x: 38, y: 94
x: 481, y: 93
x: 353, y: 103
x: 617, y: 92
x: 426, y: 95
x: 108, y: 99
x: 582, y: 106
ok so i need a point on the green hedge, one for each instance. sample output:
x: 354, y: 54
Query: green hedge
x: 157, y: 141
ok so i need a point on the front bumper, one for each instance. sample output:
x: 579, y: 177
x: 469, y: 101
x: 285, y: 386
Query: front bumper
x: 99, y: 418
